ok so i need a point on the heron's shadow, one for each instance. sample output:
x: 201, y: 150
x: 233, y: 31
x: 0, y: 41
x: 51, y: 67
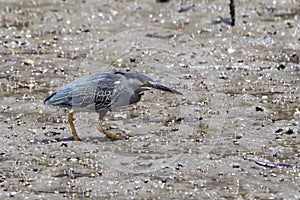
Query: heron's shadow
x: 82, y: 139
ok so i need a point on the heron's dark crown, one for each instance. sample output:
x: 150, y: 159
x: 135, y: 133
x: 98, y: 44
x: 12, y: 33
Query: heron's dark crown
x: 142, y: 78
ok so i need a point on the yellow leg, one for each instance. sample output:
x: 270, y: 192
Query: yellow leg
x: 70, y: 119
x: 107, y: 133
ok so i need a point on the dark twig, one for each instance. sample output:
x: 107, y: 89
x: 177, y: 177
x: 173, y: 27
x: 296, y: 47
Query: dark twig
x: 186, y: 8
x: 267, y: 163
x: 232, y: 12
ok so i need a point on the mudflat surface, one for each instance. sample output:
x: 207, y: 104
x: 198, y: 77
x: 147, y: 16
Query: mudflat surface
x: 240, y: 103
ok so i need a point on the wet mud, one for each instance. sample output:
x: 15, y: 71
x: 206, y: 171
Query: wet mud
x: 224, y: 138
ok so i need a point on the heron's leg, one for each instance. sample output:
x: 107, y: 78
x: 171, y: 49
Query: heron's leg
x: 70, y: 120
x: 107, y: 133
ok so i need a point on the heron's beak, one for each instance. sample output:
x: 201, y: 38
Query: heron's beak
x: 154, y: 85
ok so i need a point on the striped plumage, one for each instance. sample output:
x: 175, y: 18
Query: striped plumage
x: 101, y: 92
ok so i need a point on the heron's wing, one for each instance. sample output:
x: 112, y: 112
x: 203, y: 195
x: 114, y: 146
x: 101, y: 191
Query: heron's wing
x: 86, y: 93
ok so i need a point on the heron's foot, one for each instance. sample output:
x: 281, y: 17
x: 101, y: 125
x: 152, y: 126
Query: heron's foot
x: 74, y: 133
x: 77, y: 139
x: 121, y: 136
x: 113, y: 136
x: 109, y: 134
x: 128, y: 137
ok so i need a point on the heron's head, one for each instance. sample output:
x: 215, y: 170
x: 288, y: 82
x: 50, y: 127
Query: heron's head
x: 131, y: 86
x: 146, y: 83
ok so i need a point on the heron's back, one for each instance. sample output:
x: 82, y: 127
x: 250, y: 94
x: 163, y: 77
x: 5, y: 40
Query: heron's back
x: 91, y: 93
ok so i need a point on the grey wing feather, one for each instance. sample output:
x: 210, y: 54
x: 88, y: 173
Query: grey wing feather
x: 83, y: 93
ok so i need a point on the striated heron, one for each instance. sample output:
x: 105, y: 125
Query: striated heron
x: 103, y: 92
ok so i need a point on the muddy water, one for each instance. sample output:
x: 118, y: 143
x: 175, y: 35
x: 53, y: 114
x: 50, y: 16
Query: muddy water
x: 241, y: 100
